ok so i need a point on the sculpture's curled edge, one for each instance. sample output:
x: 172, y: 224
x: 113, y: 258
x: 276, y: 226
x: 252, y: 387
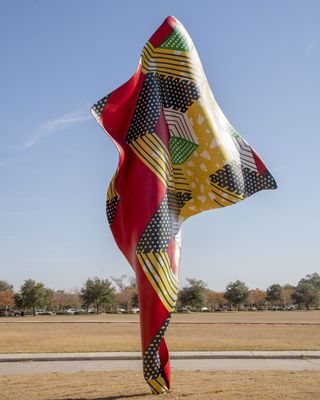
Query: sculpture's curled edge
x: 179, y: 156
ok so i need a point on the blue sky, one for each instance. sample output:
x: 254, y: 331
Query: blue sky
x: 262, y: 59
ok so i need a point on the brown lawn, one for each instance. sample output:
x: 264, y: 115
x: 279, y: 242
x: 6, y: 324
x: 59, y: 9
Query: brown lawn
x: 241, y: 385
x: 210, y: 331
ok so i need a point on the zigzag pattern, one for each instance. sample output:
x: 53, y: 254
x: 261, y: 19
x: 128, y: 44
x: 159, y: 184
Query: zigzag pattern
x: 179, y: 125
x: 245, y: 156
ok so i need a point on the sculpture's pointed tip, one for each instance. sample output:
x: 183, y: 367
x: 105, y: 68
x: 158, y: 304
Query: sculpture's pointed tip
x: 164, y: 30
x: 170, y: 19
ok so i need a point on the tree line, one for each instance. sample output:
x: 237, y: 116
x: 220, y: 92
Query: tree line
x: 119, y: 294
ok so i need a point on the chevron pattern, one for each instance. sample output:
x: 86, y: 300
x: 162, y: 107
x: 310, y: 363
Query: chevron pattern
x: 179, y: 125
x: 244, y: 152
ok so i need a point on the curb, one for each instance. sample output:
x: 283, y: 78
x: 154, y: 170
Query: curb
x: 174, y: 356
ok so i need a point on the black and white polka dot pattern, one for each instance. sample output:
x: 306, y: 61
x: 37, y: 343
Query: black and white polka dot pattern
x: 241, y: 180
x: 163, y: 225
x: 178, y: 94
x: 151, y: 359
x: 111, y: 209
x: 183, y: 198
x: 147, y: 110
x: 160, y: 91
x: 100, y: 105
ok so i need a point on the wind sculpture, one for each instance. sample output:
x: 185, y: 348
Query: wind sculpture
x: 179, y: 156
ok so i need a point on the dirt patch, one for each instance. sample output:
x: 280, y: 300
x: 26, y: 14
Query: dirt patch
x: 244, y: 385
x: 212, y: 332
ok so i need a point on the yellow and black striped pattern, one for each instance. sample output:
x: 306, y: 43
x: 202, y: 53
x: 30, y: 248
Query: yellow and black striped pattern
x: 152, y: 151
x: 169, y: 62
x: 157, y: 268
x: 158, y: 385
x: 112, y: 193
x: 112, y: 200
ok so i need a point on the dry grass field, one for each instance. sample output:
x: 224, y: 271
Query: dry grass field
x: 206, y: 331
x: 241, y: 385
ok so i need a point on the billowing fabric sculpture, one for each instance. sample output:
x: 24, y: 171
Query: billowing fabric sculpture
x: 179, y: 156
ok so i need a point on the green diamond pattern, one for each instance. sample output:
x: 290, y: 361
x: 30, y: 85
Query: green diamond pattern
x: 181, y: 149
x: 177, y: 41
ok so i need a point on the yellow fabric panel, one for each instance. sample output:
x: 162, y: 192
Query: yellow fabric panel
x: 215, y: 150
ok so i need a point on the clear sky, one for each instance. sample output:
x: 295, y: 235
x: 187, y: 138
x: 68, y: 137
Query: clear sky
x: 262, y: 59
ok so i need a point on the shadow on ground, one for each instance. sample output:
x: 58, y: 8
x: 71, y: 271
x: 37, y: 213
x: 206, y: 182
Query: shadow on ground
x: 117, y: 397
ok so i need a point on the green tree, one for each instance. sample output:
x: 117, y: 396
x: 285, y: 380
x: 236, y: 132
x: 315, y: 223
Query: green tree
x: 4, y: 285
x: 275, y: 294
x: 33, y: 294
x: 47, y: 300
x: 194, y: 294
x: 18, y: 301
x: 306, y: 294
x: 314, y: 279
x: 237, y: 293
x: 98, y: 292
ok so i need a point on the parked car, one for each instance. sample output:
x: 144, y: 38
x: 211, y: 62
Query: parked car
x: 43, y: 312
x: 71, y: 311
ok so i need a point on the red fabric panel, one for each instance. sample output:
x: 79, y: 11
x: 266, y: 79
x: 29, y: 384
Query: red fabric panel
x: 135, y: 208
x: 259, y: 163
x: 163, y: 32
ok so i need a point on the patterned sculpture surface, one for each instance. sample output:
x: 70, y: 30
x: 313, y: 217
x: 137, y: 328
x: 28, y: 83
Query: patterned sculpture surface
x: 179, y: 156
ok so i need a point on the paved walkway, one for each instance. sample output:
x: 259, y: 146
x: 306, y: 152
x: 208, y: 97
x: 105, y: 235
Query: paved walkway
x: 203, y: 361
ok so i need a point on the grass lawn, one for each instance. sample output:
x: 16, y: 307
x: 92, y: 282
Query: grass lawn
x: 203, y: 331
x: 241, y: 385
